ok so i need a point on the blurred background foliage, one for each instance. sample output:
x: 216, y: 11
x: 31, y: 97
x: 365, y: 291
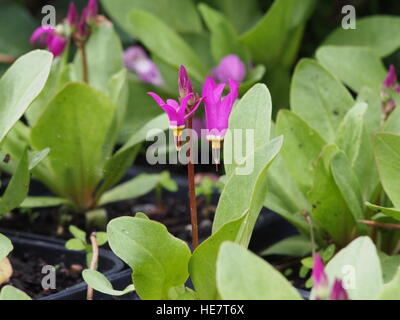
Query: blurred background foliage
x: 18, y: 19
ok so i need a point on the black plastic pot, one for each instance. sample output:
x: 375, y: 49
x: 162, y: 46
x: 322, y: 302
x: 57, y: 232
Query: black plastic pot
x: 52, y: 250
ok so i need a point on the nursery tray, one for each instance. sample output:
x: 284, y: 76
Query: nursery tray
x: 52, y: 250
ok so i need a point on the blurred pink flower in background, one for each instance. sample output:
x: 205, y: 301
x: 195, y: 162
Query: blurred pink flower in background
x: 51, y: 38
x: 137, y: 60
x: 230, y: 68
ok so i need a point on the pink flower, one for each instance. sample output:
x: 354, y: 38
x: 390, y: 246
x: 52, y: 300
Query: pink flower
x: 136, y: 59
x: 48, y: 36
x: 230, y: 68
x: 218, y: 109
x: 391, y: 78
x: 338, y: 292
x: 177, y: 113
x: 320, y: 280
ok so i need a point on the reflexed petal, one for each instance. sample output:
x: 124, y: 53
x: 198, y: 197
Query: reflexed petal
x: 157, y: 98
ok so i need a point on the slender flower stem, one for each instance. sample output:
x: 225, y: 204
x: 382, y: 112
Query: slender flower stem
x: 93, y: 263
x: 192, y: 191
x: 380, y: 224
x: 85, y: 69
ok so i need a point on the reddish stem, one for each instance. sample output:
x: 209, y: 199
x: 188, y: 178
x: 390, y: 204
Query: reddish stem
x: 380, y: 224
x: 85, y: 69
x: 192, y: 191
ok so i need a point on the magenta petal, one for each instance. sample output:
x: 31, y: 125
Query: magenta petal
x: 72, y: 16
x: 92, y: 10
x: 391, y: 77
x: 208, y: 87
x: 41, y: 34
x: 56, y: 44
x: 157, y: 98
x: 338, y: 292
x: 184, y: 102
x: 318, y: 272
x: 194, y: 108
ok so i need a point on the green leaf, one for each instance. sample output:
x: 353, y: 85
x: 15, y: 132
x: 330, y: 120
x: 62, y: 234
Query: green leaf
x: 389, y: 265
x: 100, y: 283
x: 167, y: 182
x: 78, y: 233
x: 301, y: 147
x: 202, y: 265
x: 349, y: 186
x: 103, y: 49
x: 252, y: 113
x: 269, y: 39
x: 243, y: 14
x: 251, y: 278
x: 133, y: 188
x: 17, y: 92
x: 357, y: 67
x: 295, y: 246
x: 319, y: 98
x: 5, y: 246
x: 59, y: 76
x: 11, y: 293
x: 350, y: 131
x: 387, y: 155
x: 159, y: 38
x: 75, y: 244
x: 391, y: 290
x: 159, y: 261
x: 284, y: 196
x: 247, y: 192
x: 16, y: 27
x: 379, y: 33
x: 76, y: 136
x: 43, y: 202
x: 224, y: 38
x: 390, y: 212
x: 38, y: 157
x: 101, y: 238
x: 181, y: 15
x: 17, y: 188
x: 349, y: 264
x: 330, y: 211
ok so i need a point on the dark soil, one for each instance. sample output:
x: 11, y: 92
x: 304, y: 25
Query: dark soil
x: 172, y: 212
x: 27, y: 275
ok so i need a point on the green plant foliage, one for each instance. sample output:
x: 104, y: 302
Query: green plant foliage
x: 251, y: 279
x: 379, y: 33
x: 170, y: 12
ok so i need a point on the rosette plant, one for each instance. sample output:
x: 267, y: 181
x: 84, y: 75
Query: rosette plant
x: 19, y: 86
x: 161, y: 263
x: 79, y: 118
x: 333, y: 170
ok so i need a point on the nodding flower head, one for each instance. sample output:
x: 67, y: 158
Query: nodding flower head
x: 338, y: 292
x: 50, y: 37
x: 177, y: 114
x: 230, y: 67
x: 137, y: 60
x: 218, y: 110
